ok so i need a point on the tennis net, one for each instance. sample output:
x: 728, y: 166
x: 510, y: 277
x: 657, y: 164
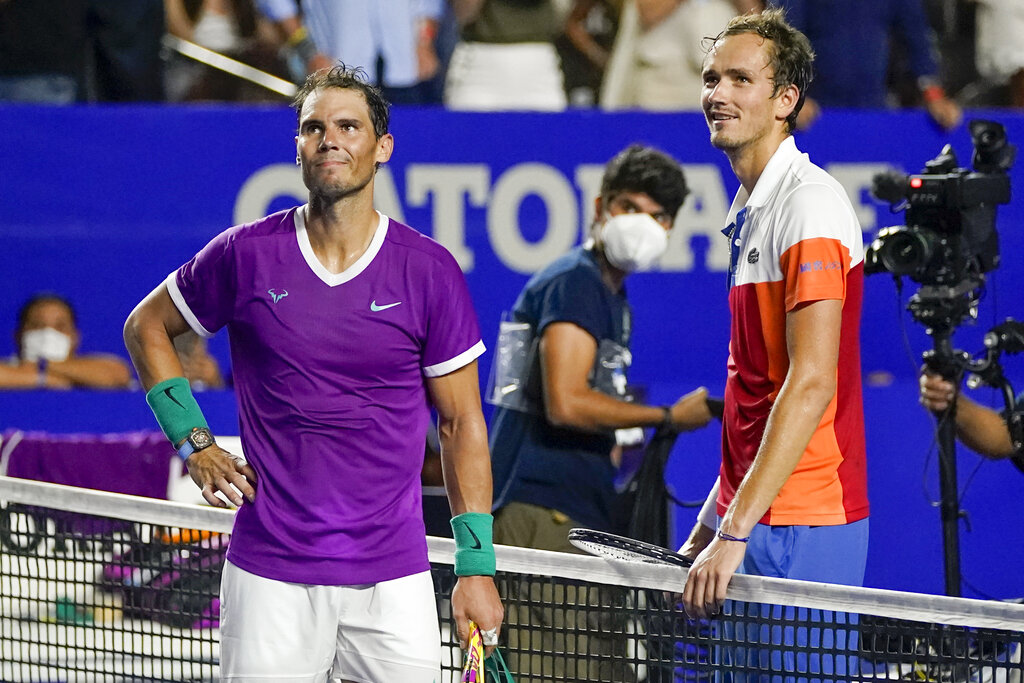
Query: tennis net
x: 105, y: 587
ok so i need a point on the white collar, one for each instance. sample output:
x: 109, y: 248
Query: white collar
x: 774, y: 171
x: 335, y: 279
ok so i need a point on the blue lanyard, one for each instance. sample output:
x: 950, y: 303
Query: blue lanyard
x: 733, y: 233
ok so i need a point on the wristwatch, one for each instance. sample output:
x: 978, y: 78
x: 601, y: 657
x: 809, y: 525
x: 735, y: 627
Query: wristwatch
x: 198, y: 439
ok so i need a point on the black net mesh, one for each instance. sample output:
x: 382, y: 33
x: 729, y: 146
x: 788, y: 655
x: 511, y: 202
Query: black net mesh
x: 562, y: 630
x: 85, y: 597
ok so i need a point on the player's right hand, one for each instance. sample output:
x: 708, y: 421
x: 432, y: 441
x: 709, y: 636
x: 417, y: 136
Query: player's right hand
x: 213, y: 469
x: 691, y: 411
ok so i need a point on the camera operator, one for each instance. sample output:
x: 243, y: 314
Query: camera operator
x: 980, y: 428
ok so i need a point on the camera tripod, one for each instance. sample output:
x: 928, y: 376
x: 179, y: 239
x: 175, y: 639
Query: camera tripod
x: 940, y: 309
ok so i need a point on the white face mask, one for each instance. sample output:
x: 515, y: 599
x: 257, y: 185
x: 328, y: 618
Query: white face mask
x: 633, y: 241
x: 45, y: 343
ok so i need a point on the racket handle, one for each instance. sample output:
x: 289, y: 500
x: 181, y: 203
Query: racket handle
x: 473, y: 664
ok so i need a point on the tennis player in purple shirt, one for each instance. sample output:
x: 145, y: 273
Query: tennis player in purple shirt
x: 344, y: 326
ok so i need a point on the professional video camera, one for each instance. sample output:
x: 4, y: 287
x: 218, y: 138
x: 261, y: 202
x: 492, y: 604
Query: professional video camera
x: 948, y: 244
x: 950, y: 232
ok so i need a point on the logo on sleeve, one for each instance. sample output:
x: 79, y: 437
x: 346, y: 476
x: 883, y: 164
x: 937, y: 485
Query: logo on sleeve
x: 276, y: 295
x: 374, y: 307
x: 813, y: 266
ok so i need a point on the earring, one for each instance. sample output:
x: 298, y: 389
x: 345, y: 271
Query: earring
x: 298, y: 161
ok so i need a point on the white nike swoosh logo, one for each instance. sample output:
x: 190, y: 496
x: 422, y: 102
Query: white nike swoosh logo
x: 374, y: 307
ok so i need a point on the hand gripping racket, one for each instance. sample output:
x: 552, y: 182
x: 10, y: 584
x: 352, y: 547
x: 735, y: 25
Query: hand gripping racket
x: 614, y: 547
x: 478, y: 669
x: 473, y: 666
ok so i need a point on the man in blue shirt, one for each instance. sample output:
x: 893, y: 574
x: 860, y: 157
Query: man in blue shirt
x: 398, y: 36
x: 560, y: 383
x: 851, y: 40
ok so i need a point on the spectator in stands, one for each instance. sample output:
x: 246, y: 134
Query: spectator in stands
x: 62, y: 51
x: 392, y: 40
x: 125, y: 40
x: 42, y: 45
x: 999, y: 25
x: 851, y: 39
x: 982, y: 429
x: 585, y: 47
x: 46, y: 340
x: 659, y: 51
x: 229, y: 27
x: 506, y: 57
x: 200, y: 368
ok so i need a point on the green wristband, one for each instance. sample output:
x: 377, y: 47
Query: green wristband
x: 175, y: 408
x: 474, y: 549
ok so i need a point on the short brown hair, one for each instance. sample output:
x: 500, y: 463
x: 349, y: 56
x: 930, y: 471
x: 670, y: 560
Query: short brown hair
x: 347, y: 78
x: 790, y: 53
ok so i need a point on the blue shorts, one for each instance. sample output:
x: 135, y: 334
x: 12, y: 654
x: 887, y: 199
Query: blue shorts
x: 830, y: 554
x: 802, y: 644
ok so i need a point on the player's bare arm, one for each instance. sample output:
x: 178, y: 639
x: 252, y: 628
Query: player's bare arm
x: 812, y: 340
x: 466, y: 463
x: 148, y: 335
x: 567, y: 353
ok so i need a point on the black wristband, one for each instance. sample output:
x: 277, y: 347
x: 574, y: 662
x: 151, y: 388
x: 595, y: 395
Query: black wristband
x: 666, y: 421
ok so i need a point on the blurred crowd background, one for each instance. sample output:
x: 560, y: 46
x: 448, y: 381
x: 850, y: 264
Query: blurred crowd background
x: 504, y: 54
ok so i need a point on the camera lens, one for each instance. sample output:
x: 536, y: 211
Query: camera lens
x: 906, y: 252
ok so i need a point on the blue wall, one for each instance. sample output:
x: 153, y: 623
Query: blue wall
x: 100, y: 203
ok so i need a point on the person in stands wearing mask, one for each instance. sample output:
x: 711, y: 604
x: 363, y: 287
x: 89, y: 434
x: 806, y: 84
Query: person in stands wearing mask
x: 560, y: 382
x: 46, y: 340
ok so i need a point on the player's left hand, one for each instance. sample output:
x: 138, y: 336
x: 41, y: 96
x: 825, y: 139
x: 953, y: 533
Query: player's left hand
x: 709, y: 577
x: 476, y: 598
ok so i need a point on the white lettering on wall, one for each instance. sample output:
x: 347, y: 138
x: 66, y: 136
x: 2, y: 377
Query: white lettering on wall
x: 263, y: 187
x: 450, y: 185
x: 562, y: 228
x: 449, y: 189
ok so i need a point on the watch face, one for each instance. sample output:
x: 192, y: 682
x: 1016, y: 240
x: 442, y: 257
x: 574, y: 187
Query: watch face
x: 201, y: 438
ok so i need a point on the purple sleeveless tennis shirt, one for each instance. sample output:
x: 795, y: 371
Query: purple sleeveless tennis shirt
x: 330, y: 373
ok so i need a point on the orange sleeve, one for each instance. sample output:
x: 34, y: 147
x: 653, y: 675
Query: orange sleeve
x: 815, y: 269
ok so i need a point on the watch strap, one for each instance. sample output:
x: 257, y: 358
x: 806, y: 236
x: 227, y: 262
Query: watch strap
x: 187, y: 447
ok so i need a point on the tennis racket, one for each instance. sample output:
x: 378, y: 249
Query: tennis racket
x: 473, y: 666
x: 614, y: 547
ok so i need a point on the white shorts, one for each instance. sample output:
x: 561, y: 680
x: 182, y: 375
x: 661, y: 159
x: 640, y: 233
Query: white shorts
x: 297, y: 633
